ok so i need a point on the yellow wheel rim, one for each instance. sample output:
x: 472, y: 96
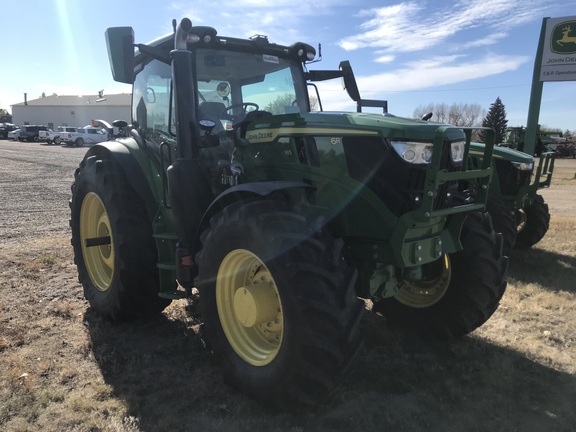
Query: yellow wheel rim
x: 521, y: 219
x: 425, y: 293
x: 249, y: 307
x: 94, y: 223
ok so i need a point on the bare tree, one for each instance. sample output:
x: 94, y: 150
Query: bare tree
x: 458, y: 114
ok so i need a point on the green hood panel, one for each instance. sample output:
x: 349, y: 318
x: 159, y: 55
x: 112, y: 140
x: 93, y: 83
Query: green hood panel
x: 328, y: 123
x: 502, y: 153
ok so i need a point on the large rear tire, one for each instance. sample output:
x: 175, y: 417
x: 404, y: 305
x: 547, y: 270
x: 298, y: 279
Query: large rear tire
x: 278, y: 303
x: 118, y: 273
x: 462, y: 290
x: 533, y: 223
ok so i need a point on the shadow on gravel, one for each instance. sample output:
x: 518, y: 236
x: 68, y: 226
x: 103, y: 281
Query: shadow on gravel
x: 551, y: 270
x: 163, y: 372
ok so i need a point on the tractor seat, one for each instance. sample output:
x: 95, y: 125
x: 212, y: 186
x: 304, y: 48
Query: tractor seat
x: 211, y: 110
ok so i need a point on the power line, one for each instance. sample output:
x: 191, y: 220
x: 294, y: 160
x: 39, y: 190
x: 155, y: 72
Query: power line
x: 453, y: 90
x: 437, y: 90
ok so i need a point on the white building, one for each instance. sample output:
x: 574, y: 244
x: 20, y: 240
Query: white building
x: 54, y: 111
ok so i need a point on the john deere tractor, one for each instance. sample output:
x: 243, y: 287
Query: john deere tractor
x: 518, y: 211
x: 282, y: 218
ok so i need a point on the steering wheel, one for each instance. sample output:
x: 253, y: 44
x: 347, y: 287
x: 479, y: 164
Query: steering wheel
x: 244, y: 107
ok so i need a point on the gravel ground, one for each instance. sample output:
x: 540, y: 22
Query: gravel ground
x: 35, y: 184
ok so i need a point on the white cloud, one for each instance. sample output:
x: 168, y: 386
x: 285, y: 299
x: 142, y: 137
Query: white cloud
x: 385, y: 59
x: 281, y: 20
x: 416, y: 25
x: 419, y: 75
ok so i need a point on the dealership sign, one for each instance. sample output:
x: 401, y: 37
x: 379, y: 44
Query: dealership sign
x: 559, y: 50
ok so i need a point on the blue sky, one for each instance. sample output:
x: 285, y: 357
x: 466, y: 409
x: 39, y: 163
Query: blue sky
x: 410, y: 52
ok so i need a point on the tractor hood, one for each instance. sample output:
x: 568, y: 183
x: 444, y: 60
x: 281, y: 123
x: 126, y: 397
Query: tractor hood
x: 352, y: 123
x: 503, y: 153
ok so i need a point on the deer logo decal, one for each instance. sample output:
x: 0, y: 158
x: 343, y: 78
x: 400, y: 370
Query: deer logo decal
x: 563, y: 38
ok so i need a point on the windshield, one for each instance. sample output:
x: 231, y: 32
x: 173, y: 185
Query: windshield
x: 230, y: 83
x: 267, y: 83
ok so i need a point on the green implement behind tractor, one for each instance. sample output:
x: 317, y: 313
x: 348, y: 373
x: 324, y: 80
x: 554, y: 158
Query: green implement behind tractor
x: 283, y: 218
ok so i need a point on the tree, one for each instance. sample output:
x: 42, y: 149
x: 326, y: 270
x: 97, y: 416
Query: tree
x: 458, y: 114
x: 278, y: 105
x: 495, y: 119
x: 5, y: 117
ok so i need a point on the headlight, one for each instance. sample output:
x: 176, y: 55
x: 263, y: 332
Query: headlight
x: 457, y: 151
x: 523, y: 166
x: 414, y: 152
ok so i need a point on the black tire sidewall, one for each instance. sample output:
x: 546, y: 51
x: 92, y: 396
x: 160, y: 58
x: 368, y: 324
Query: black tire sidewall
x: 537, y: 223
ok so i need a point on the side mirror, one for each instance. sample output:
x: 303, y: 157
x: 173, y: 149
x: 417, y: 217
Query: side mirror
x: 349, y: 81
x: 120, y: 44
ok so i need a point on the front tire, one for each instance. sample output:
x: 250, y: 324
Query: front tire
x: 278, y: 303
x: 118, y: 270
x: 503, y: 221
x: 461, y: 294
x: 533, y: 223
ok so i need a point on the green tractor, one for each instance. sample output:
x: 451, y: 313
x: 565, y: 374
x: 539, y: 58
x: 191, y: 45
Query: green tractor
x: 518, y: 211
x: 545, y: 140
x: 282, y: 218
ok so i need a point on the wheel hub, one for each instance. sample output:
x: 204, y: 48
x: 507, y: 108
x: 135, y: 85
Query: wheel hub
x: 426, y: 292
x: 256, y: 304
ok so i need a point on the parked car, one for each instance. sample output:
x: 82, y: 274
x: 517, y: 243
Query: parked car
x: 85, y: 135
x: 6, y: 128
x: 14, y: 135
x: 53, y: 136
x: 30, y: 132
x: 43, y: 134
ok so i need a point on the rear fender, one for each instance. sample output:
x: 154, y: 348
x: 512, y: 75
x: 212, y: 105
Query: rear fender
x: 121, y: 154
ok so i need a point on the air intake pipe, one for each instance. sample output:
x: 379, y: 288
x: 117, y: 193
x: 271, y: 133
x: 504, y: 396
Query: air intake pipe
x: 189, y: 189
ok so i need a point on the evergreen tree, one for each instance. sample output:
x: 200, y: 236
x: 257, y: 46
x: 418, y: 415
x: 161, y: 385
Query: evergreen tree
x: 495, y: 119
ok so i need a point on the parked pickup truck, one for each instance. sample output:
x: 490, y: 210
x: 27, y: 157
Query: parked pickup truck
x: 53, y: 136
x: 85, y: 135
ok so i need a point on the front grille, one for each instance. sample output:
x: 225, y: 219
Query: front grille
x: 371, y: 161
x: 510, y: 178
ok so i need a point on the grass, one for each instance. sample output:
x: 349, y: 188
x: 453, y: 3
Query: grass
x: 66, y: 369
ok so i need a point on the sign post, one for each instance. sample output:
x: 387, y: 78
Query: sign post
x: 555, y: 61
